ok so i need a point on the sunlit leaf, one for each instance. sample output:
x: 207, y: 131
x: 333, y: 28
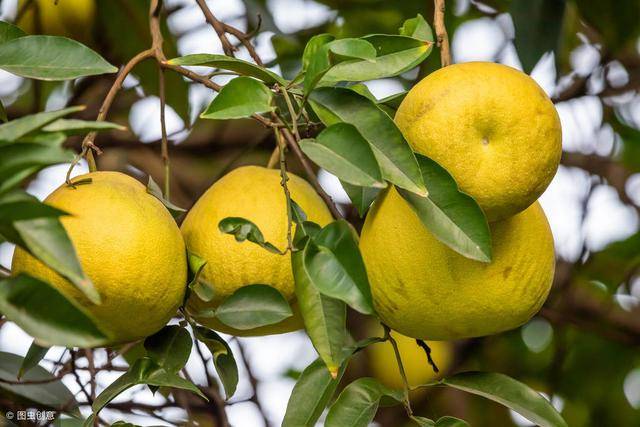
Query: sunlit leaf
x: 253, y: 306
x: 17, y: 128
x: 243, y: 229
x: 240, y: 98
x: 80, y: 127
x: 417, y: 28
x: 9, y: 32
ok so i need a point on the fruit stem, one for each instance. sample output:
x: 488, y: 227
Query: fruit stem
x: 285, y: 187
x: 403, y: 374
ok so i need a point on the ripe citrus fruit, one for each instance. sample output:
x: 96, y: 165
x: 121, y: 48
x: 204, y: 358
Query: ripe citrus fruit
x: 424, y: 289
x: 68, y: 18
x: 384, y: 367
x: 253, y: 193
x: 492, y: 127
x: 128, y: 245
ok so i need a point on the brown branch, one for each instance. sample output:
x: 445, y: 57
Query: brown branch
x: 441, y: 33
x: 218, y: 26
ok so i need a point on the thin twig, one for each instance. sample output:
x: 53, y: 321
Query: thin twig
x: 423, y: 345
x: 218, y: 27
x: 403, y: 374
x: 283, y: 182
x: 164, y: 148
x: 441, y: 33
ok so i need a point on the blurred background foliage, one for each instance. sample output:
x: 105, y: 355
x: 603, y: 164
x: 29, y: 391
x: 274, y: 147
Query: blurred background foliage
x: 582, y: 349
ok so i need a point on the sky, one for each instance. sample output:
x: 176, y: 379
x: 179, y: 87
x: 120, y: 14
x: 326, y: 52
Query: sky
x: 606, y: 218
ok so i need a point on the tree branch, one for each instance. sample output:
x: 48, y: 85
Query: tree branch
x: 441, y: 33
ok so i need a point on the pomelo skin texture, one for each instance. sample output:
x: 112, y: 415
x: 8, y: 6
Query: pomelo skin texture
x: 423, y: 289
x: 384, y: 367
x: 69, y: 18
x: 492, y: 127
x: 128, y: 245
x: 253, y: 193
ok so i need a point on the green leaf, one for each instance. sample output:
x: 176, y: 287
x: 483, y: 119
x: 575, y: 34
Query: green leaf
x: 334, y: 265
x: 143, y: 371
x: 80, y: 127
x: 224, y: 62
x: 9, y: 32
x: 311, y: 394
x: 324, y: 317
x: 154, y: 190
x: 50, y: 395
x: 358, y: 403
x: 169, y: 348
x: 240, y: 98
x: 451, y: 422
x: 417, y: 28
x: 452, y: 216
x: 361, y: 197
x: 202, y: 289
x: 34, y: 355
x: 19, y: 157
x: 395, y: 55
x: 243, y: 229
x: 253, y: 306
x: 341, y: 150
x: 17, y: 128
x: 538, y: 25
x: 394, y: 155
x: 313, y: 48
x: 223, y: 359
x: 51, y: 58
x: 510, y: 393
x: 423, y: 422
x: 45, y: 314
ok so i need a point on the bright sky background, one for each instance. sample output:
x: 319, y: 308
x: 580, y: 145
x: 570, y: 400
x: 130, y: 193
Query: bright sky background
x: 607, y: 219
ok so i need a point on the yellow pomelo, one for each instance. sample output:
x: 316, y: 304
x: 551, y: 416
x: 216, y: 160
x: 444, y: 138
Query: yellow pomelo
x: 492, y: 127
x: 128, y: 245
x: 253, y: 193
x: 423, y: 289
x: 69, y: 18
x: 384, y: 367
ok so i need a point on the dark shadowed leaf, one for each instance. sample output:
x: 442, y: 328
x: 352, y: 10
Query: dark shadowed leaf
x: 311, y: 394
x: 341, y: 150
x: 51, y: 58
x: 335, y: 267
x: 9, y: 32
x: 240, y: 98
x: 34, y: 355
x: 243, y: 229
x: 396, y: 160
x: 510, y: 393
x: 45, y: 314
x: 202, y: 289
x: 223, y: 359
x: 361, y: 197
x: 232, y: 64
x: 452, y: 216
x: 358, y: 403
x: 51, y: 395
x: 324, y: 317
x: 17, y: 128
x: 143, y: 371
x: 253, y: 306
x: 170, y: 347
x: 154, y: 189
x: 3, y: 113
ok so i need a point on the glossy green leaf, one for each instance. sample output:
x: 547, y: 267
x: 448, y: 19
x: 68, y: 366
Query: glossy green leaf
x: 395, y: 55
x: 45, y: 314
x: 324, y: 317
x: 50, y: 395
x: 243, y: 229
x: 202, y: 289
x: 451, y: 422
x: 154, y: 189
x: 313, y: 48
x: 9, y: 32
x: 341, y: 150
x: 510, y: 393
x: 143, y: 371
x: 452, y: 216
x: 80, y: 127
x: 223, y: 359
x: 224, y: 62
x: 170, y: 347
x: 253, y: 306
x: 417, y: 28
x: 51, y: 58
x: 17, y: 128
x: 394, y: 155
x: 333, y: 263
x: 423, y: 422
x: 361, y: 197
x: 358, y: 403
x: 311, y: 394
x: 240, y: 98
x: 18, y: 157
x: 34, y: 355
